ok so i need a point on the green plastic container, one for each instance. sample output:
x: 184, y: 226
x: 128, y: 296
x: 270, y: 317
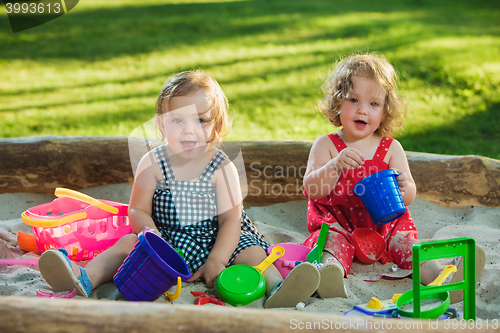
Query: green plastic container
x: 243, y: 284
x: 433, y: 313
x: 240, y: 285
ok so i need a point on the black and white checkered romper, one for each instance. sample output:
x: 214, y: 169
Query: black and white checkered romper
x: 185, y: 213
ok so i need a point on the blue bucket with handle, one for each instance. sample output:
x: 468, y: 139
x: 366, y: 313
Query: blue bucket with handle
x: 380, y: 194
x: 150, y: 269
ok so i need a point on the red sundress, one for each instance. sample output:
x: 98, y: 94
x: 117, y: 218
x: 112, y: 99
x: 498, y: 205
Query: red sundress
x: 344, y: 212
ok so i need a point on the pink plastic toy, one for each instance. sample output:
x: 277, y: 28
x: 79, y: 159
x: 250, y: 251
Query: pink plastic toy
x: 40, y: 293
x: 80, y: 224
x: 29, y: 262
x: 293, y: 253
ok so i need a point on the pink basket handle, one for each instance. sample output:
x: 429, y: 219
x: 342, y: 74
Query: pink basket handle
x: 64, y: 192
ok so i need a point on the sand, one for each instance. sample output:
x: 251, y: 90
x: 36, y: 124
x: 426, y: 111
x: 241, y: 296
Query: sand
x: 283, y: 222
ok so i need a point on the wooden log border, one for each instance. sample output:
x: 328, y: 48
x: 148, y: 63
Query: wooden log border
x: 40, y: 164
x: 32, y: 314
x: 274, y: 169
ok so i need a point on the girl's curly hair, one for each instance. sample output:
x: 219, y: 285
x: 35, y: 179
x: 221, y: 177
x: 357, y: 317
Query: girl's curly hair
x: 338, y: 87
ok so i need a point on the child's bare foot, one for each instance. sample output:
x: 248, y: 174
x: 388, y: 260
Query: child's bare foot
x: 431, y: 269
x: 458, y: 295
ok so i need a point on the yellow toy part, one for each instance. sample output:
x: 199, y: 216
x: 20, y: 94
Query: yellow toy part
x: 277, y: 252
x: 65, y: 192
x: 177, y: 291
x: 43, y: 223
x: 376, y: 306
x: 375, y: 303
x: 444, y: 275
x: 395, y: 298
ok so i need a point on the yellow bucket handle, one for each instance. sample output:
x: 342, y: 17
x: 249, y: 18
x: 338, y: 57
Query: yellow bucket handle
x: 36, y: 222
x: 177, y: 291
x: 64, y: 192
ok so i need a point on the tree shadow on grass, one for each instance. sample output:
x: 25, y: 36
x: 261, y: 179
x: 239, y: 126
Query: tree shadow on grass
x: 102, y: 34
x: 480, y: 133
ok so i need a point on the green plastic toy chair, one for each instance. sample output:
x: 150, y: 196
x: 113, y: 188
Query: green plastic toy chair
x: 464, y: 247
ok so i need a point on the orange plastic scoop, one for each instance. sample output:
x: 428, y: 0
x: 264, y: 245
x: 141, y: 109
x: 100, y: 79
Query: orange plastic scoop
x: 26, y: 242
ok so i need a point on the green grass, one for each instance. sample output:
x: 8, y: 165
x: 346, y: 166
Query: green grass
x: 97, y: 70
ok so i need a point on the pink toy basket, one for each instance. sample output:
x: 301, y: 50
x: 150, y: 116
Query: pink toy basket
x: 293, y: 253
x: 80, y: 224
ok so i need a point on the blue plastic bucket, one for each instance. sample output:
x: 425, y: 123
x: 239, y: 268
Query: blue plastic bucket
x: 380, y: 194
x: 150, y: 269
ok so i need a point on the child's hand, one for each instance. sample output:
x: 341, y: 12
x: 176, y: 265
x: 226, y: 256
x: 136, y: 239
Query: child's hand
x: 402, y: 179
x: 349, y: 158
x: 209, y: 272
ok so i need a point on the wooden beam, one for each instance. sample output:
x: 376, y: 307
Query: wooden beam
x: 40, y: 164
x: 44, y: 315
x: 274, y: 169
